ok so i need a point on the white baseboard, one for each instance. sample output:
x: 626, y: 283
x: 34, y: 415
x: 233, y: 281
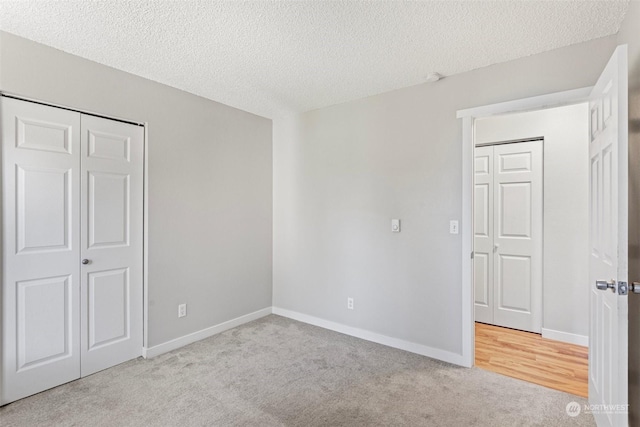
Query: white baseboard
x: 156, y: 350
x: 424, y: 350
x: 567, y: 337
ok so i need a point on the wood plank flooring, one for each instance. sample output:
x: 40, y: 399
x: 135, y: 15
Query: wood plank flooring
x: 529, y: 357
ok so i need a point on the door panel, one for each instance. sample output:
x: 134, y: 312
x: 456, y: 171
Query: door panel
x: 41, y: 248
x: 43, y: 213
x: 108, y: 146
x: 608, y: 152
x: 514, y: 283
x: 482, y: 210
x: 108, y: 295
x: 482, y: 283
x: 41, y: 135
x: 517, y: 243
x: 44, y: 321
x: 594, y: 204
x: 108, y: 220
x: 483, y: 239
x: 515, y: 162
x: 514, y: 213
x: 111, y: 290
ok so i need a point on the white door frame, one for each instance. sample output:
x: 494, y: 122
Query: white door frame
x: 145, y: 226
x: 468, y: 117
x: 145, y: 243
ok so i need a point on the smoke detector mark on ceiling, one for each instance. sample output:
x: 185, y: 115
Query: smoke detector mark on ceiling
x: 433, y: 77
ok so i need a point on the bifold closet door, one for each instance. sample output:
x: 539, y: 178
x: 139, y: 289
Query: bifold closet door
x: 72, y: 212
x: 508, y: 216
x: 517, y: 237
x: 111, y: 242
x: 41, y: 247
x: 483, y: 238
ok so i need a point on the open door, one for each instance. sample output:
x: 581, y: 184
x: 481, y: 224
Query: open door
x: 608, y: 261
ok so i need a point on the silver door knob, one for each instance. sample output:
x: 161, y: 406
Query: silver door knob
x: 603, y: 285
x: 85, y: 261
x: 635, y: 287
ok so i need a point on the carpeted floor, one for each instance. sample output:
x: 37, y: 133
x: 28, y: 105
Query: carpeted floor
x: 279, y: 372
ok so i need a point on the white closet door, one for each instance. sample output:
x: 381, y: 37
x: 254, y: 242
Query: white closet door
x: 41, y: 247
x: 518, y: 235
x: 483, y: 239
x: 111, y: 219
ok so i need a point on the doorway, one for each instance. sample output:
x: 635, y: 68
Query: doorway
x: 531, y: 192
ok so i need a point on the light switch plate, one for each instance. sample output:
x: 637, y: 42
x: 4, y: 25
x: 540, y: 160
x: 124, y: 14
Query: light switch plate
x: 453, y: 227
x: 395, y: 225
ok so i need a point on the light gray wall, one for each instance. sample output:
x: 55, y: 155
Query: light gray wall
x: 341, y: 173
x: 566, y: 206
x: 630, y: 34
x: 210, y: 182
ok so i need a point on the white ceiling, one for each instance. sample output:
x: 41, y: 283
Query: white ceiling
x: 274, y: 57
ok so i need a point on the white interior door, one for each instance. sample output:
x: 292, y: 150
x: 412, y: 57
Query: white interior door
x: 517, y: 242
x: 608, y: 260
x: 508, y: 215
x: 483, y: 238
x: 72, y: 190
x: 41, y: 247
x: 111, y: 291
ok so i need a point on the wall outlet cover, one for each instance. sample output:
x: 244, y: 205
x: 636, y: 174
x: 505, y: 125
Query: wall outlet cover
x: 182, y: 310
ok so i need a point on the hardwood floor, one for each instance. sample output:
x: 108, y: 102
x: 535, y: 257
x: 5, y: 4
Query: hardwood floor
x: 530, y: 357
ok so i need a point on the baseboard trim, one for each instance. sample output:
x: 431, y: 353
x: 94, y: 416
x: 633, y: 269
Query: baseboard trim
x: 567, y: 337
x: 423, y: 350
x: 159, y: 349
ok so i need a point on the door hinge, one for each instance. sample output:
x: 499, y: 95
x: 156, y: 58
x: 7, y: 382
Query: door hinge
x: 471, y: 254
x: 623, y: 289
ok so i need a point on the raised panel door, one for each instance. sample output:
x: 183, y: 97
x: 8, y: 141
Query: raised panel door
x: 483, y: 238
x: 608, y: 261
x: 517, y: 242
x: 41, y: 247
x: 111, y: 220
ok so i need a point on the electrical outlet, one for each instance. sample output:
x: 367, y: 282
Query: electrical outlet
x: 350, y: 303
x: 182, y: 310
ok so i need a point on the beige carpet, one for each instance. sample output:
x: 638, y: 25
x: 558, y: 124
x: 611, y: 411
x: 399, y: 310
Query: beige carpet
x: 278, y: 372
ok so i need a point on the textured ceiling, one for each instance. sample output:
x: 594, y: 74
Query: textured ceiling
x: 274, y: 57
